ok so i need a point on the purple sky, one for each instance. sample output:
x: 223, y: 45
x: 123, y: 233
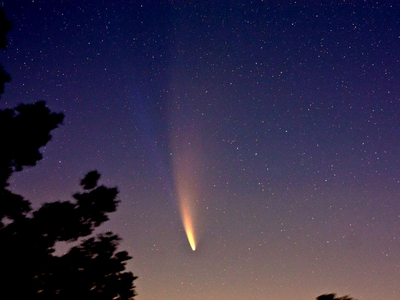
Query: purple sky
x: 278, y: 119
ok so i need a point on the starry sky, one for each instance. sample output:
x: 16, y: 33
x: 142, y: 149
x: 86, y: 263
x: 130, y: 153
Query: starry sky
x: 273, y: 125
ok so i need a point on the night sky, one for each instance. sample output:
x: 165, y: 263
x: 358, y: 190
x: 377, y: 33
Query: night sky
x: 270, y: 129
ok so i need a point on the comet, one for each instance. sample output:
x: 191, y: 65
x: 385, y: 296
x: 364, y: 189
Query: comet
x: 187, y: 166
x: 186, y: 178
x: 187, y: 221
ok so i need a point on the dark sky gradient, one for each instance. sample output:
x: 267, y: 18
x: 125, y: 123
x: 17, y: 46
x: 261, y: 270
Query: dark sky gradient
x: 283, y: 117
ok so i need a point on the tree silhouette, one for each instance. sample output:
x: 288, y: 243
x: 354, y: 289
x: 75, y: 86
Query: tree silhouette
x: 5, y: 27
x: 333, y: 297
x: 92, y: 269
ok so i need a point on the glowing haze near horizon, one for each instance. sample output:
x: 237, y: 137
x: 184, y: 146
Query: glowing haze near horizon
x: 264, y: 134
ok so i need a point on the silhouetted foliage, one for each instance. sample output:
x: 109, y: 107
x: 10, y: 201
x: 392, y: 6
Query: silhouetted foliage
x: 23, y: 131
x: 90, y: 181
x: 333, y: 297
x: 4, y: 77
x: 92, y: 269
x: 5, y: 27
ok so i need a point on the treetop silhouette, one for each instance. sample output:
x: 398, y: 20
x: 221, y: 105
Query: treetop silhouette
x: 5, y: 27
x: 333, y: 297
x: 93, y: 268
